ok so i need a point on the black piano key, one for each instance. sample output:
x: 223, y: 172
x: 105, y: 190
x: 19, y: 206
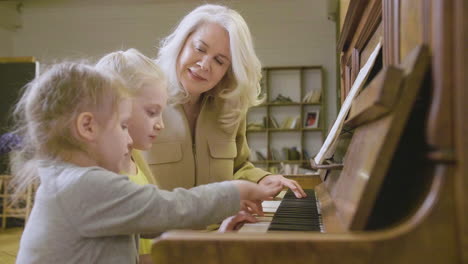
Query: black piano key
x: 296, y: 214
x: 293, y: 228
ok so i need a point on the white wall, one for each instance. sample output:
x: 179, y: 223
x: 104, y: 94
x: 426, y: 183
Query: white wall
x: 10, y: 19
x: 6, y: 43
x: 293, y: 32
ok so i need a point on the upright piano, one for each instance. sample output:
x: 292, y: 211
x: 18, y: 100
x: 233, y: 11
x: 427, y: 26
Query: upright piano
x: 394, y: 189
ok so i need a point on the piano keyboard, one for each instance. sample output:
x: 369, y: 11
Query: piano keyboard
x: 289, y: 214
x: 296, y: 214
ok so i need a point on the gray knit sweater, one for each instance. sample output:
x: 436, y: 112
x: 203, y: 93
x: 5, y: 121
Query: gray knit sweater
x: 91, y: 215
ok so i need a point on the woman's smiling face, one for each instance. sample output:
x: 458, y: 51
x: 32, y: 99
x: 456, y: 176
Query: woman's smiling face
x: 204, y: 58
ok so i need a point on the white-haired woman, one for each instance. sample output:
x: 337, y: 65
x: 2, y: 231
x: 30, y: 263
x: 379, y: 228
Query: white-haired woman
x: 214, y: 77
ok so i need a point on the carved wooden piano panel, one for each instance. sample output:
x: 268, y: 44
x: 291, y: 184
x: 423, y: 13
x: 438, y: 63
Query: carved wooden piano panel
x: 397, y: 198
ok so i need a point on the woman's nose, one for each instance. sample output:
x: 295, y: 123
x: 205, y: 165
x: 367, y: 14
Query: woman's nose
x: 203, y: 63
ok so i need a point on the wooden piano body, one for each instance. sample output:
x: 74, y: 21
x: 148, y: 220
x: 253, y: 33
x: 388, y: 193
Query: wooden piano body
x: 400, y: 196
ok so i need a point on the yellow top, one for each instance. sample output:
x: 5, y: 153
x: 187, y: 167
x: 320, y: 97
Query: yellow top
x: 141, y: 178
x: 143, y: 166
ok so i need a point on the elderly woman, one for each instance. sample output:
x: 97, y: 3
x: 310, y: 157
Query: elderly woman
x: 214, y: 76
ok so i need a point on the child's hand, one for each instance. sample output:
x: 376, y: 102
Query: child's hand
x: 235, y: 222
x: 252, y: 207
x: 254, y: 192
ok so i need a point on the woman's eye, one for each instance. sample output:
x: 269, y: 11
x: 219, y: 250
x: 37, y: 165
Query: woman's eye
x: 151, y: 113
x: 220, y: 62
x: 199, y: 49
x: 124, y: 126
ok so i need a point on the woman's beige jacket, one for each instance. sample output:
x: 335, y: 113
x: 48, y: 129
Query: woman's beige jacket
x: 216, y: 155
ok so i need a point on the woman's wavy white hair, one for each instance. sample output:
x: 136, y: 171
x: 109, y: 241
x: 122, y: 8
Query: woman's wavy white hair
x: 240, y: 87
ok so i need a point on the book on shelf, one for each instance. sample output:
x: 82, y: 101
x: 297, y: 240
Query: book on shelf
x: 291, y: 153
x: 313, y: 96
x: 275, y: 154
x: 306, y: 155
x: 291, y: 122
x: 255, y: 126
x: 273, y: 169
x: 261, y: 154
x: 286, y: 153
x: 273, y: 123
x: 294, y: 153
x: 289, y: 169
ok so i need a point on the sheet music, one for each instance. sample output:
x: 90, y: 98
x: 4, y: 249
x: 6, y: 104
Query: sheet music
x: 328, y: 147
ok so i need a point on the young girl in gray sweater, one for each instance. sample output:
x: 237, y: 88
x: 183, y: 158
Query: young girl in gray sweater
x: 73, y: 123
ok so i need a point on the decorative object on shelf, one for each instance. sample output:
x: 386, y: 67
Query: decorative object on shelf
x: 312, y: 119
x: 282, y: 99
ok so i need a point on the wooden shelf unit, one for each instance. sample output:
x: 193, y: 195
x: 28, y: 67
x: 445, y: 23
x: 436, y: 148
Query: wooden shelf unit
x: 306, y: 79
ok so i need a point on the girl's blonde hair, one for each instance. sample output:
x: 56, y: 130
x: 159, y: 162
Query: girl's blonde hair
x: 47, y: 109
x: 135, y: 69
x: 240, y: 87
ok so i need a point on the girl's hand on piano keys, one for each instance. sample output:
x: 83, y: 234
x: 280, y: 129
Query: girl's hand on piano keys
x: 255, y: 192
x: 280, y: 179
x: 252, y: 207
x: 235, y: 222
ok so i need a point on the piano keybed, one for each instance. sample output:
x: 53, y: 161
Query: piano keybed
x: 289, y: 214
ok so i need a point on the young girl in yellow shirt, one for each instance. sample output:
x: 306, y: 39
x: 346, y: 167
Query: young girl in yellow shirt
x: 147, y: 86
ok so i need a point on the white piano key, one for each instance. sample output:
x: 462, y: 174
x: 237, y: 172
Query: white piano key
x: 259, y: 227
x: 270, y: 206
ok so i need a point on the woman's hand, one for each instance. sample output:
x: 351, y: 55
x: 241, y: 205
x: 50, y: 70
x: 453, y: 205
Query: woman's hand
x: 280, y: 179
x: 235, y: 222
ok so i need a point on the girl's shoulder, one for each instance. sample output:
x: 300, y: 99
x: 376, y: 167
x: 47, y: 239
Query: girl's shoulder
x: 64, y: 176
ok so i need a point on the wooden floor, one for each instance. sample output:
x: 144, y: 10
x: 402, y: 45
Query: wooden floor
x: 9, y: 244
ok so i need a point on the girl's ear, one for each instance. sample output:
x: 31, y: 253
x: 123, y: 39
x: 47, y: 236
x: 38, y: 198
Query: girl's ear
x: 86, y: 126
